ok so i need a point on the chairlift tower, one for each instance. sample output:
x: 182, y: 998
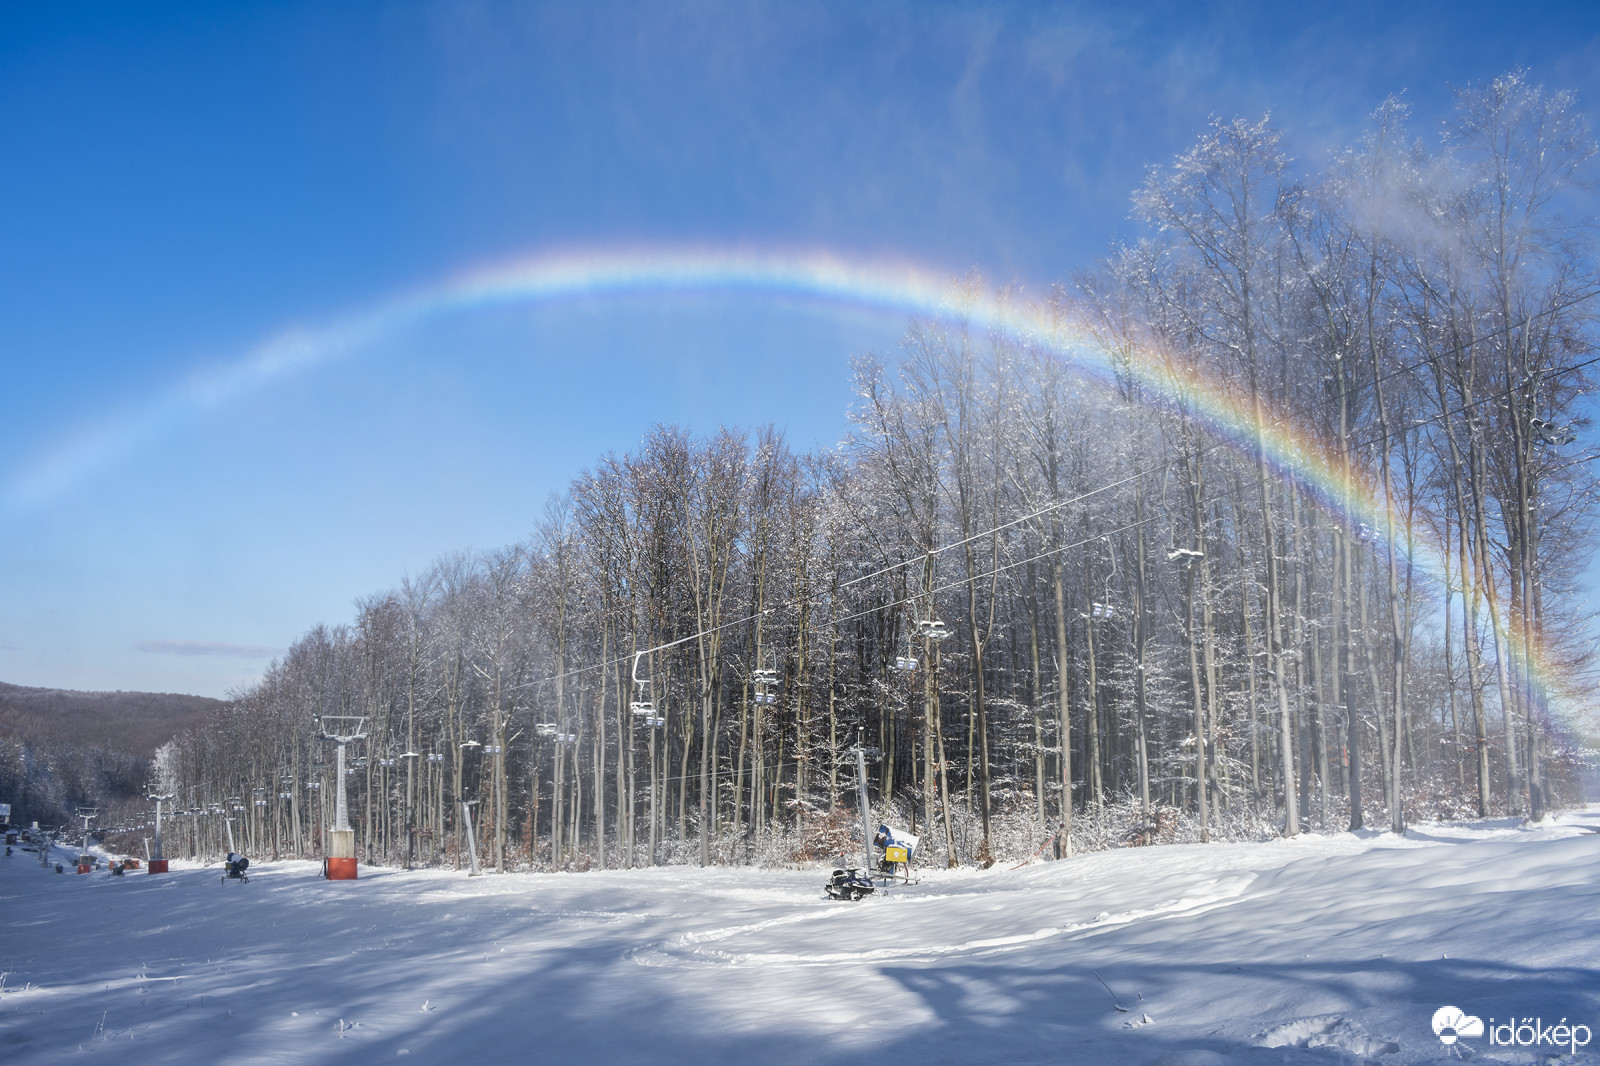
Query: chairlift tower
x: 88, y: 814
x: 158, y: 859
x: 341, y: 731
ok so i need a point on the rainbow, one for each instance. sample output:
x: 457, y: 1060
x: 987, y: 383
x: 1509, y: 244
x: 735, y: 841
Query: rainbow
x: 893, y: 286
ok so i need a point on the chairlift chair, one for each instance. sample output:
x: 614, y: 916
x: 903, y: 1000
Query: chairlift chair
x: 907, y: 660
x: 765, y: 679
x: 1548, y: 434
x: 642, y: 704
x: 932, y: 629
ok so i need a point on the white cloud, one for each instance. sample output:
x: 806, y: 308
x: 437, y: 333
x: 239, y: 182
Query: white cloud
x: 200, y: 647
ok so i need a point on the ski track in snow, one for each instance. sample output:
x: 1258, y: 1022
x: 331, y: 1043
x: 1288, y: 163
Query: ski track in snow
x: 1318, y: 950
x: 1213, y: 893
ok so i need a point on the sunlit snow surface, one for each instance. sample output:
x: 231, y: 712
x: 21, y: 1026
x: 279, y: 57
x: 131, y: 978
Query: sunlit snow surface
x: 1335, y: 949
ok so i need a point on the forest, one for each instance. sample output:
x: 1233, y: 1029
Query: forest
x: 1300, y: 548
x: 60, y: 750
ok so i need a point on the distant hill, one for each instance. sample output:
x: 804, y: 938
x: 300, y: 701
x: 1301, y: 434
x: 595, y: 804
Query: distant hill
x: 131, y: 723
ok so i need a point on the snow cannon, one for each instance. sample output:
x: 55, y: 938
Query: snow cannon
x: 234, y: 869
x: 899, y: 848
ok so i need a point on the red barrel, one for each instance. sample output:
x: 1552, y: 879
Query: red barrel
x: 341, y: 869
x: 158, y: 866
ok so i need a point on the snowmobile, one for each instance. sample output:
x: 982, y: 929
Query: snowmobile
x: 849, y: 884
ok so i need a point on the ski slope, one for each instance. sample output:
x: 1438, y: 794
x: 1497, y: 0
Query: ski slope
x: 1323, y: 949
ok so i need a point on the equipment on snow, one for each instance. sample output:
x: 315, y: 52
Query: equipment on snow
x: 235, y: 868
x: 898, y: 848
x: 849, y: 884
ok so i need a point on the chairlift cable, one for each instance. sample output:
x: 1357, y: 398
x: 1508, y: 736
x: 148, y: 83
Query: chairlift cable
x: 1080, y: 497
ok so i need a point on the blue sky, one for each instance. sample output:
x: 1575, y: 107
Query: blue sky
x: 180, y: 182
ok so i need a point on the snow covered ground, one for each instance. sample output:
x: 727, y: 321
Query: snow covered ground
x: 1332, y: 949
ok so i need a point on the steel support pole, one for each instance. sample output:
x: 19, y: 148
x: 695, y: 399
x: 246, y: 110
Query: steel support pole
x: 341, y: 817
x: 472, y: 847
x: 866, y: 816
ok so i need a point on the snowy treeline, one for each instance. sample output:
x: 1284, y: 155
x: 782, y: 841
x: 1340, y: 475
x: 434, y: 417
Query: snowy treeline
x: 45, y: 779
x: 1150, y: 626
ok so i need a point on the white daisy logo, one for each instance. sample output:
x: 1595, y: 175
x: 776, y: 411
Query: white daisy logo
x: 1451, y: 1023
